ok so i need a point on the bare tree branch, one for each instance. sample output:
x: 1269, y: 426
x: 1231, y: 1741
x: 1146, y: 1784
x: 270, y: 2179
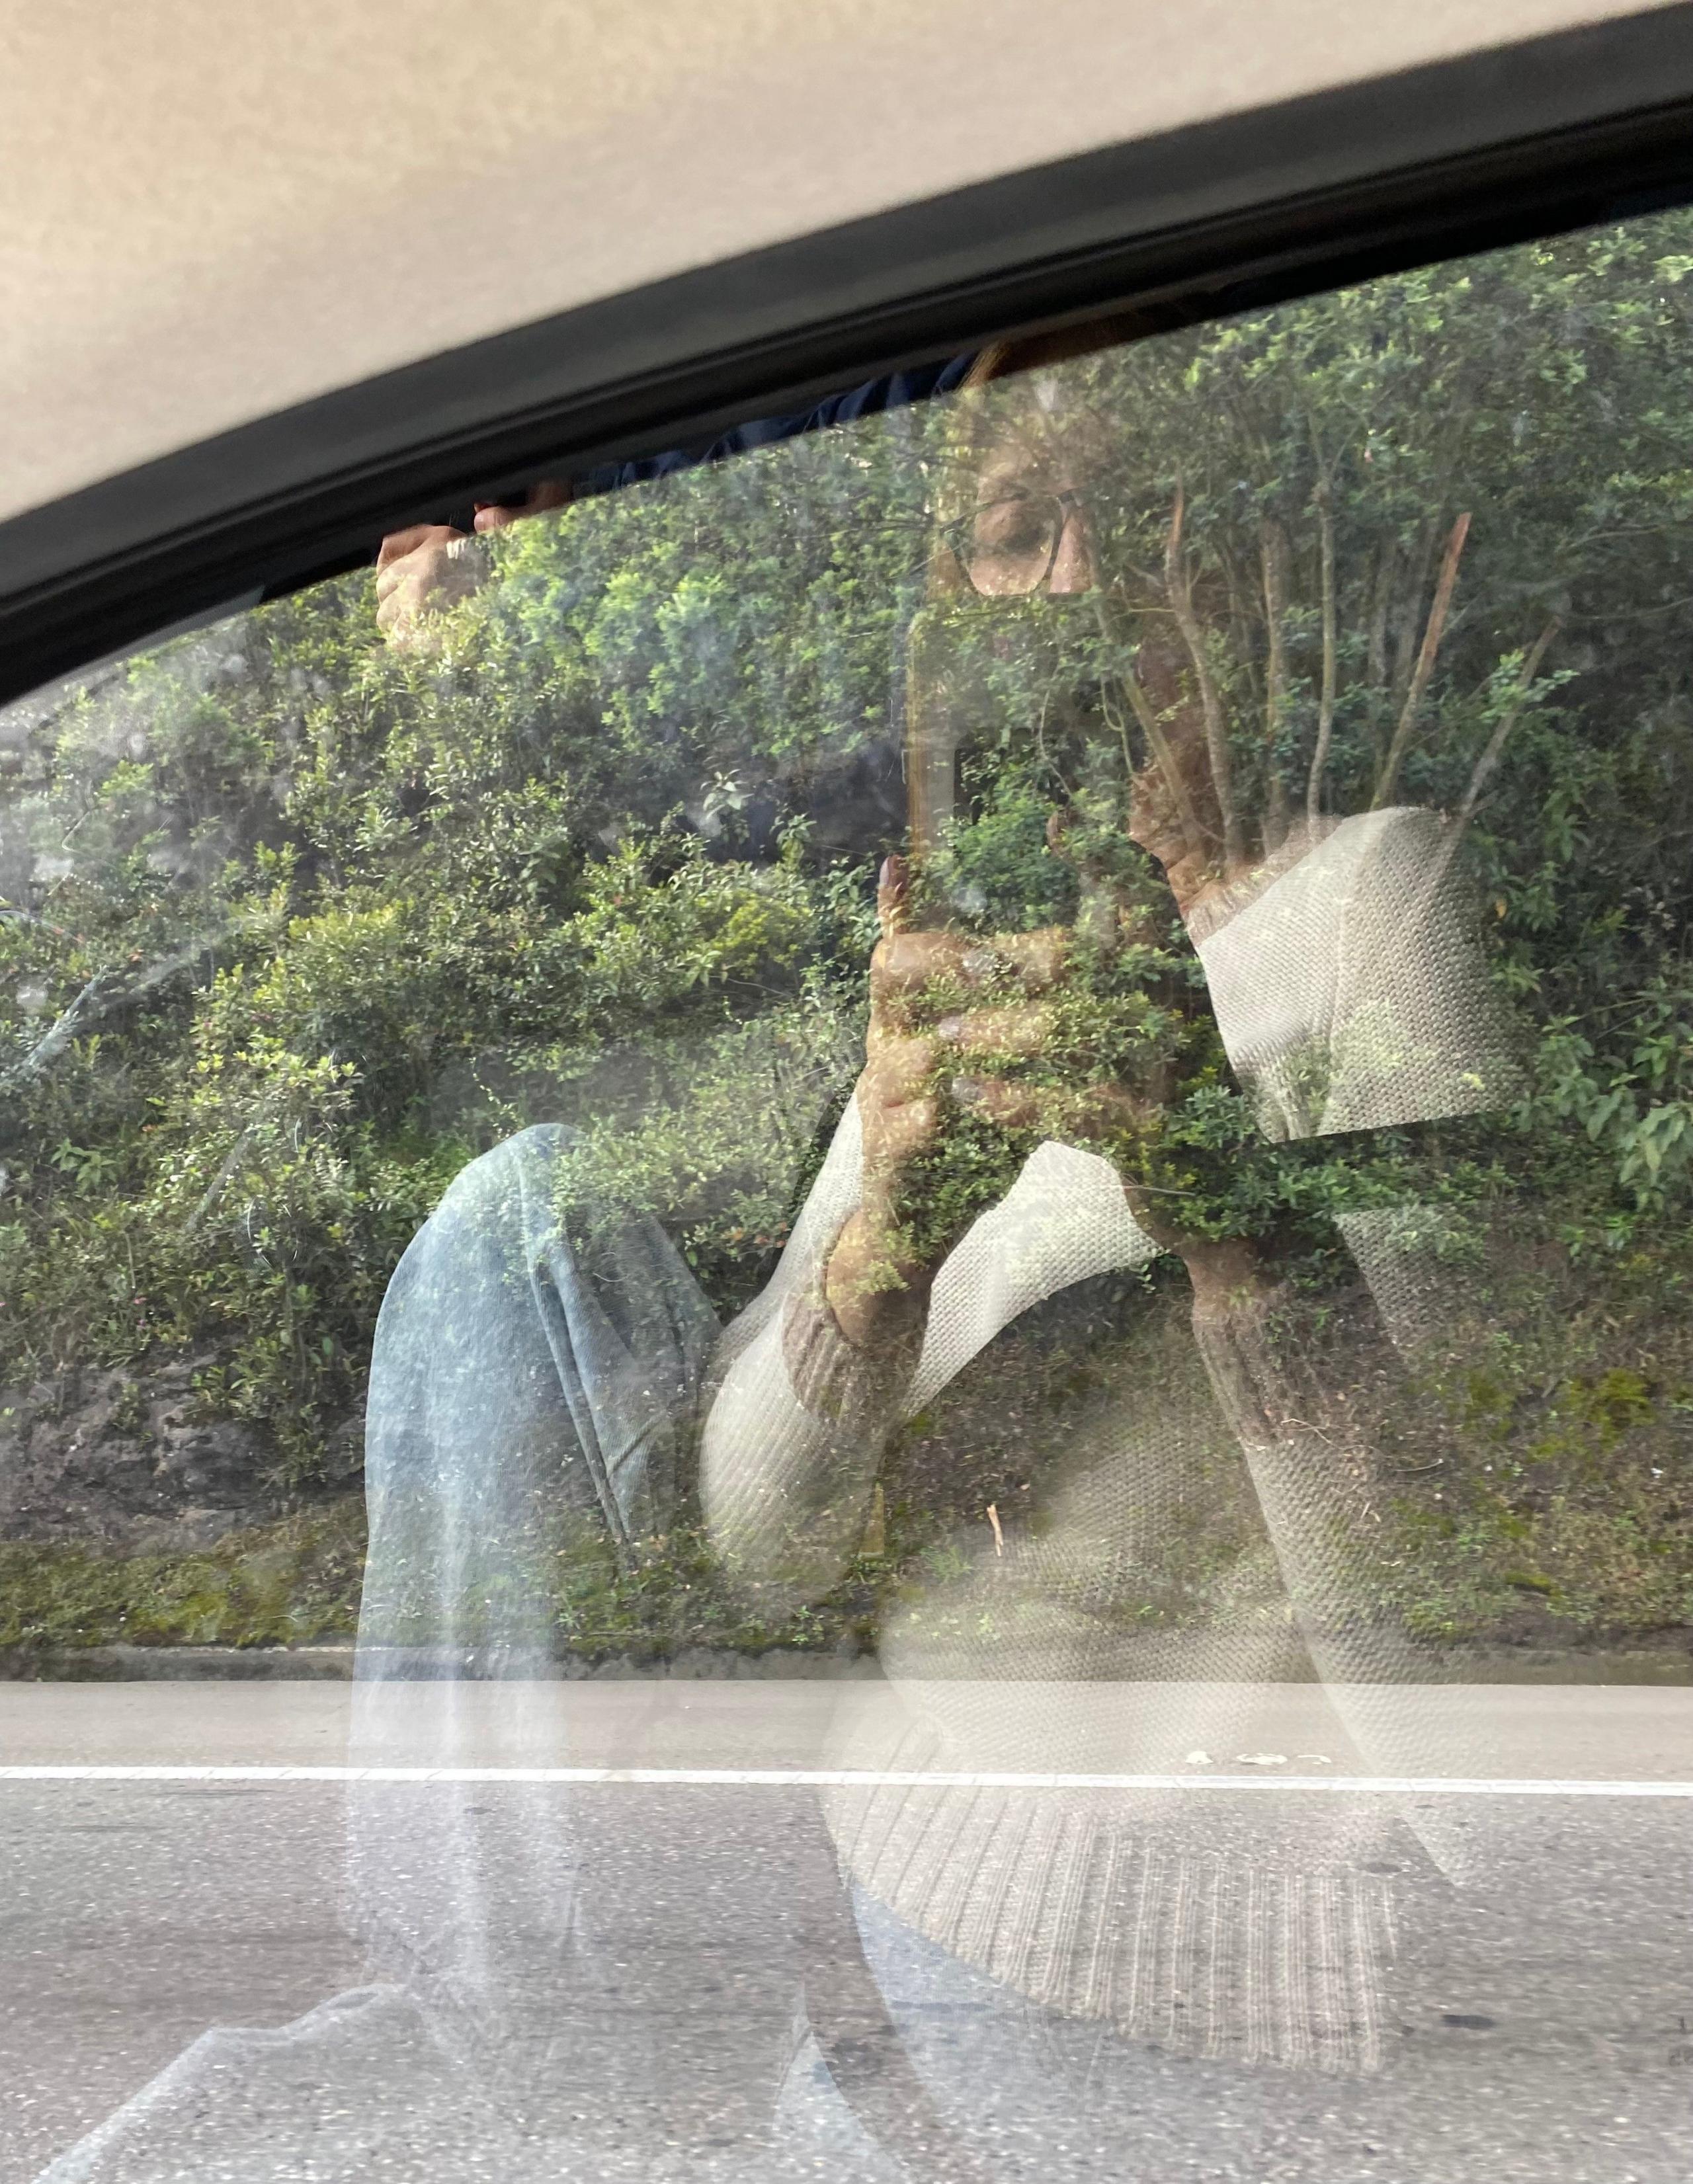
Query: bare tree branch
x: 1274, y: 554
x: 1325, y: 707
x: 105, y: 993
x: 1146, y: 717
x: 1495, y: 743
x: 1179, y: 590
x: 1389, y: 780
x: 1485, y: 765
x: 1418, y: 559
x: 214, y: 1188
x: 1165, y: 757
x: 21, y: 917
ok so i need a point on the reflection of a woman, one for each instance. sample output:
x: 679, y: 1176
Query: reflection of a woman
x: 1349, y: 998
x: 532, y: 1375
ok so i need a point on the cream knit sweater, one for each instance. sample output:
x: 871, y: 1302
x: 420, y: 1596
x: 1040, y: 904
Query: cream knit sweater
x: 1349, y: 995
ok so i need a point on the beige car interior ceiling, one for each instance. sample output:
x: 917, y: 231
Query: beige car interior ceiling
x: 212, y: 213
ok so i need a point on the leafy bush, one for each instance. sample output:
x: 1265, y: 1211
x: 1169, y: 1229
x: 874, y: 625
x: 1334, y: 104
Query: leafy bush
x: 296, y: 923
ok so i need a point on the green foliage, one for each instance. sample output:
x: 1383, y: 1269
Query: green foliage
x: 337, y: 916
x: 665, y: 1595
x: 278, y: 1584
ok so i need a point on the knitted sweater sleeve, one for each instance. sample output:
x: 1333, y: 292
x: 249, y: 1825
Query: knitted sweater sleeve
x: 797, y: 1418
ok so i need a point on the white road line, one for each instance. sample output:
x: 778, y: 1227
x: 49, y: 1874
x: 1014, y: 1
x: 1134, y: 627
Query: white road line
x: 846, y: 1778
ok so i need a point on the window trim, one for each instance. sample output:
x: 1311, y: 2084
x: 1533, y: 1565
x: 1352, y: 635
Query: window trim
x: 1495, y: 147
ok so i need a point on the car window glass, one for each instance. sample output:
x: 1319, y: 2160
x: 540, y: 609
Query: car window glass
x: 842, y: 1300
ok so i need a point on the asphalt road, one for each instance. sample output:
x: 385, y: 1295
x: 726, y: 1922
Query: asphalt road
x: 1537, y: 2027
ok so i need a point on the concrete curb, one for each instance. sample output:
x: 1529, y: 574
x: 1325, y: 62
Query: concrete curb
x: 331, y: 1662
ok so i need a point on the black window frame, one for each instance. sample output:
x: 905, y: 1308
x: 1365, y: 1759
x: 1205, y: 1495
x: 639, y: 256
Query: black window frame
x: 1494, y: 147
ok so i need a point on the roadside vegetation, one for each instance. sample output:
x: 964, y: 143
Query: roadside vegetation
x: 294, y: 923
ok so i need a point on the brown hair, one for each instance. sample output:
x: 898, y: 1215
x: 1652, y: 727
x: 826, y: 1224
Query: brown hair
x: 1036, y: 352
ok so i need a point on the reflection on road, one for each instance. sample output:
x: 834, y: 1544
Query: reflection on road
x: 702, y: 1982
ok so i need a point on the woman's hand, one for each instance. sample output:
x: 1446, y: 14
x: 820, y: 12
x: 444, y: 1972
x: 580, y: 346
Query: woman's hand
x: 421, y: 571
x: 1088, y: 1036
x: 951, y: 1017
x: 426, y: 568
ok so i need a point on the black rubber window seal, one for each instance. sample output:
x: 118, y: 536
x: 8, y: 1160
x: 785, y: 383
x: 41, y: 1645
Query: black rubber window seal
x: 1495, y: 148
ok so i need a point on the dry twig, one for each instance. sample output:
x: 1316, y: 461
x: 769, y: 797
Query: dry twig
x: 105, y: 993
x: 1179, y: 589
x: 1325, y: 709
x: 1273, y: 552
x: 1432, y: 634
